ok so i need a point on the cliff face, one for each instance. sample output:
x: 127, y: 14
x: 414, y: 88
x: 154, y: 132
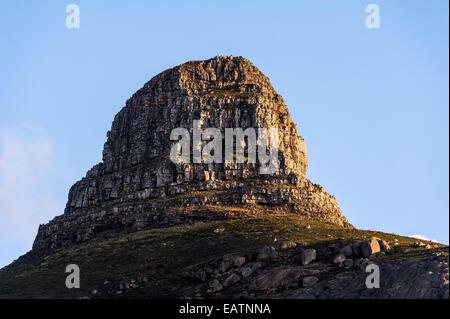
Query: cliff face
x: 137, y: 185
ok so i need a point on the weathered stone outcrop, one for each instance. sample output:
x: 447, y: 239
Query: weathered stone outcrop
x: 137, y: 185
x: 282, y: 275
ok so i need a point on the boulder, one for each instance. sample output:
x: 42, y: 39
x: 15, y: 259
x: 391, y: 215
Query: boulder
x: 285, y: 245
x: 224, y: 265
x: 361, y: 264
x: 231, y: 280
x: 307, y: 256
x: 347, y: 251
x: 338, y: 259
x: 215, y: 285
x: 370, y: 247
x: 309, y: 281
x: 256, y: 266
x: 239, y: 261
x: 356, y: 247
x: 348, y: 263
x: 246, y: 271
x: 282, y: 276
x: 267, y: 253
x: 384, y: 246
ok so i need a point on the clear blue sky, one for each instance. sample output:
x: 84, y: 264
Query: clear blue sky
x: 372, y: 104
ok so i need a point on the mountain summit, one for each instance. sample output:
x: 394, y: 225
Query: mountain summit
x: 137, y: 185
x: 203, y: 193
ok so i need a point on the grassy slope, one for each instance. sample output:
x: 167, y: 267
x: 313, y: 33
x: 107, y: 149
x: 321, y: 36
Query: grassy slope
x: 160, y: 254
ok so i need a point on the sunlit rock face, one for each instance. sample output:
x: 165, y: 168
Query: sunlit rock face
x: 137, y: 184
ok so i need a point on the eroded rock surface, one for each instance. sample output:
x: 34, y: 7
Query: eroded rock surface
x: 137, y: 185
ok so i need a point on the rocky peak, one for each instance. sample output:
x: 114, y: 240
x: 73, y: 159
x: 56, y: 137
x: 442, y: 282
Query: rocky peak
x: 126, y: 190
x: 214, y: 230
x: 236, y: 75
x: 220, y: 92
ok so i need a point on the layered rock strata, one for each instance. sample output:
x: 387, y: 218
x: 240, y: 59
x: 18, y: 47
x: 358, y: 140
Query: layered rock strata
x: 137, y: 185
